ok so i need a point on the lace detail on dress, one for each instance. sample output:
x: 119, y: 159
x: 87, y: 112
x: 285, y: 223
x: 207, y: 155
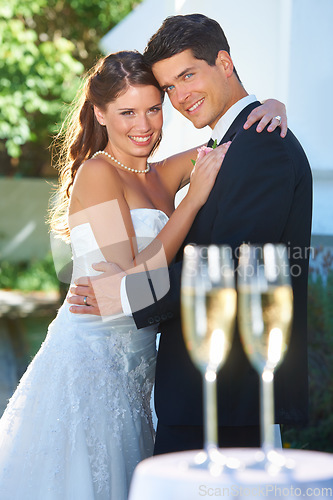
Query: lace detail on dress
x: 80, y: 419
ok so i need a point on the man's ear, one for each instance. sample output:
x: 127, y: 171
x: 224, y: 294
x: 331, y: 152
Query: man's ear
x: 224, y: 60
x: 99, y: 115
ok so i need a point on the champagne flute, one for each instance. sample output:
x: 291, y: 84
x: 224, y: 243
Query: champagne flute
x: 208, y: 309
x: 265, y: 310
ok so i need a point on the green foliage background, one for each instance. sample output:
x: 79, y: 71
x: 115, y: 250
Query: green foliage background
x: 45, y: 46
x: 35, y: 275
x: 318, y: 433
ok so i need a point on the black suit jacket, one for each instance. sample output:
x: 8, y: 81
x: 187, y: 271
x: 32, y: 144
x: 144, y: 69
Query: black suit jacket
x: 263, y: 193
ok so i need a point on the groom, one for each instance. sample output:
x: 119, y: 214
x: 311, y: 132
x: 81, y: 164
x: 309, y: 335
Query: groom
x: 263, y: 193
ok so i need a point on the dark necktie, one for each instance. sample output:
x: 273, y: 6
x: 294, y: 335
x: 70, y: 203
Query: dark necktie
x: 210, y: 143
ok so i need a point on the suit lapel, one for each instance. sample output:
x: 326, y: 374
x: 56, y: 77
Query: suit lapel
x: 200, y: 226
x: 237, y: 124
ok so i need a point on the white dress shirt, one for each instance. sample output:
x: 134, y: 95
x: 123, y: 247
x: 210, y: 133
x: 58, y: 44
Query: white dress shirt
x: 229, y: 116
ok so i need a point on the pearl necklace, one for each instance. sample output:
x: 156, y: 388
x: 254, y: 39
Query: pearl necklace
x: 136, y: 171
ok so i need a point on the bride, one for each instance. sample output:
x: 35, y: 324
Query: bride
x: 80, y: 420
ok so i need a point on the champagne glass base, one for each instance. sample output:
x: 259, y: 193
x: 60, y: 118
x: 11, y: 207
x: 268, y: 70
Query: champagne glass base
x: 214, y: 461
x: 272, y: 461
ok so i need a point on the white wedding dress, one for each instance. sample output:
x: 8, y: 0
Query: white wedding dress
x: 80, y: 419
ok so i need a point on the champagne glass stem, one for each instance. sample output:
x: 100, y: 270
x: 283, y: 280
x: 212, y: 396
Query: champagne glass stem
x: 210, y: 411
x: 267, y: 410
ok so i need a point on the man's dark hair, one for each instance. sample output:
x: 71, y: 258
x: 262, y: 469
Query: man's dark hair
x: 202, y: 35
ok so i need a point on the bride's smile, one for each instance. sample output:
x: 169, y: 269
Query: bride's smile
x: 134, y: 122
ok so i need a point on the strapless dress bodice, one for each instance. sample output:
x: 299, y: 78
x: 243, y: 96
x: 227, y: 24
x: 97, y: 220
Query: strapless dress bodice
x: 147, y: 223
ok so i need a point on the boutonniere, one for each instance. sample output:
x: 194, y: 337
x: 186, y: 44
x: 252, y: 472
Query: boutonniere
x: 204, y: 150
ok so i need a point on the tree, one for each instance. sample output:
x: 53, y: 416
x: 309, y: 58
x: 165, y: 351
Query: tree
x: 46, y: 45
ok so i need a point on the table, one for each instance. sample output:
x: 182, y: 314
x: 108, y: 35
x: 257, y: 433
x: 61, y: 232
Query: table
x: 168, y: 477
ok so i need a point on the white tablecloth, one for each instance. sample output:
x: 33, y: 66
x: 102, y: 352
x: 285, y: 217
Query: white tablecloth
x: 168, y: 477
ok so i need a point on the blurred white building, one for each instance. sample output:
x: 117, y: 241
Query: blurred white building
x: 281, y: 49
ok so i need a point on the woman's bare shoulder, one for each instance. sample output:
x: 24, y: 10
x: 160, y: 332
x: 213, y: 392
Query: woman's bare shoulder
x: 97, y: 181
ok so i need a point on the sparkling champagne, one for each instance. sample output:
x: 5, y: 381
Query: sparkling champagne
x: 265, y: 323
x: 208, y: 323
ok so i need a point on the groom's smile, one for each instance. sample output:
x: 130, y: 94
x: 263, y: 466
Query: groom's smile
x: 195, y: 105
